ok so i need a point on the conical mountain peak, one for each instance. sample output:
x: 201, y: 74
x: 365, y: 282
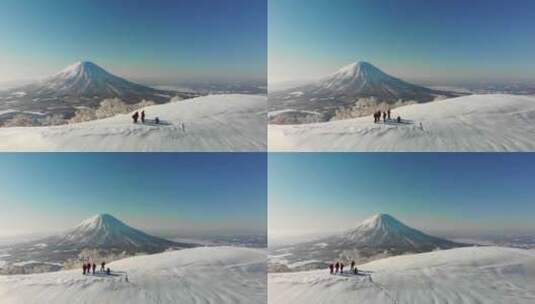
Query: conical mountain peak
x: 357, y: 69
x: 380, y: 220
x: 81, y: 68
x: 101, y: 222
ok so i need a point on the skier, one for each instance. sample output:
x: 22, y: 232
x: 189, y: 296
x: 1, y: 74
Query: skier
x: 341, y: 268
x: 142, y: 116
x: 108, y: 272
x: 352, y: 264
x: 336, y: 267
x: 355, y: 271
x: 398, y: 119
x: 384, y: 116
x: 94, y: 267
x: 388, y: 114
x: 157, y: 120
x: 135, y: 117
x: 102, y: 266
x: 84, y: 267
x: 331, y: 268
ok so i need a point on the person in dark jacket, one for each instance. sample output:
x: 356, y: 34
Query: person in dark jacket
x: 135, y: 117
x: 355, y: 270
x: 352, y: 264
x: 108, y: 271
x: 336, y: 267
x: 142, y: 116
x: 388, y: 114
x: 341, y: 268
x: 94, y: 267
x: 102, y: 269
x: 84, y: 267
x: 331, y: 268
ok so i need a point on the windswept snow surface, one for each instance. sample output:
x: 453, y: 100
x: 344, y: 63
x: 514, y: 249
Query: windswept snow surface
x: 211, y: 123
x: 461, y: 275
x: 477, y: 123
x: 200, y: 275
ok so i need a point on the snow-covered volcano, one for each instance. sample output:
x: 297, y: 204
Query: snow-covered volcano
x: 379, y: 236
x: 199, y: 275
x: 384, y: 232
x: 101, y: 233
x: 344, y: 87
x: 81, y: 85
x: 105, y: 231
x: 362, y: 79
x: 460, y: 275
x: 88, y: 80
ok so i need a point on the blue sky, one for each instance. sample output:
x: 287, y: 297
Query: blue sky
x: 135, y: 38
x: 443, y: 41
x: 442, y: 192
x: 201, y: 192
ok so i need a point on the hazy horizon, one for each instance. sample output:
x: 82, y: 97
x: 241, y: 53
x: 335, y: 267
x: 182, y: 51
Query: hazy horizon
x: 443, y: 42
x: 187, y: 192
x: 224, y: 40
x: 456, y: 194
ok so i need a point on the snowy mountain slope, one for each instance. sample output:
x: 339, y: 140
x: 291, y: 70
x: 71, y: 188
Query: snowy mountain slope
x: 461, y: 275
x: 484, y: 123
x: 378, y: 236
x: 345, y: 86
x: 199, y: 275
x: 211, y: 123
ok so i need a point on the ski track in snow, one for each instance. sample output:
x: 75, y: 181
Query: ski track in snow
x: 216, y: 123
x: 199, y: 275
x: 462, y: 275
x: 476, y: 123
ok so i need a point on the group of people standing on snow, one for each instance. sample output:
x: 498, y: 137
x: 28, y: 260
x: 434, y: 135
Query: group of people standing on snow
x: 339, y: 267
x: 87, y: 267
x: 136, y: 117
x: 385, y: 115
